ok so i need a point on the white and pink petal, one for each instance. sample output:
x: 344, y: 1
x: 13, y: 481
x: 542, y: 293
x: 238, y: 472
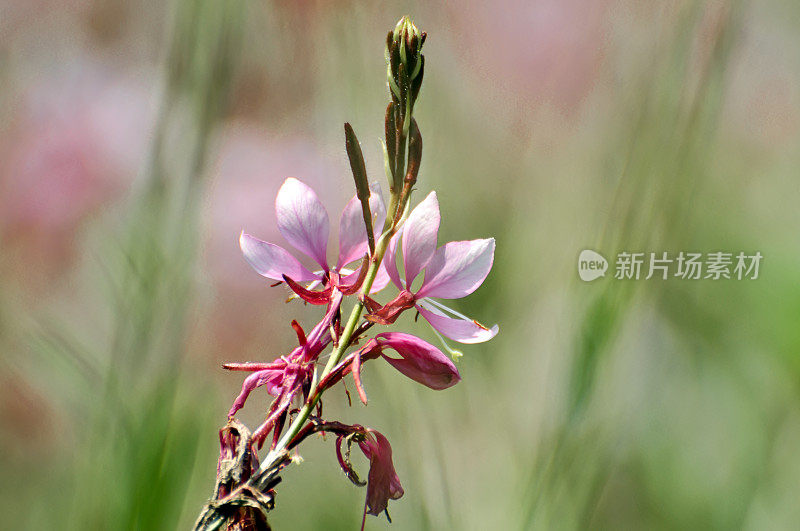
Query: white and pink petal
x: 389, y: 263
x: 272, y: 261
x: 457, y: 269
x: 457, y: 329
x: 419, y: 236
x: 352, y: 230
x: 303, y: 220
x: 382, y: 279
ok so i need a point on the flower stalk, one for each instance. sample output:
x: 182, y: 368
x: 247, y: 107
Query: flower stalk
x: 451, y: 271
x: 352, y: 322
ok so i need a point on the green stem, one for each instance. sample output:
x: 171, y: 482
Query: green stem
x: 344, y: 343
x: 397, y: 202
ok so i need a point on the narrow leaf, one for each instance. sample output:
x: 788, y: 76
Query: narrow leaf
x: 359, y: 170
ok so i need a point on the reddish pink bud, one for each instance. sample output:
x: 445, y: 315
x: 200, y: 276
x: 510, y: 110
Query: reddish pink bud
x: 420, y: 361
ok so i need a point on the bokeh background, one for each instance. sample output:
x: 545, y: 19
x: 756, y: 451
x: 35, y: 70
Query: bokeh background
x: 138, y: 138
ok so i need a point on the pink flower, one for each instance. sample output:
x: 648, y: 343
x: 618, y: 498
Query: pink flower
x: 382, y: 482
x: 303, y: 222
x: 452, y: 271
x: 287, y: 376
x: 419, y: 360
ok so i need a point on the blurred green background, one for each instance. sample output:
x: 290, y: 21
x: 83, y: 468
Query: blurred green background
x: 138, y: 139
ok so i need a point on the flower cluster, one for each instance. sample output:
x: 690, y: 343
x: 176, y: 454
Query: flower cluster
x: 375, y: 244
x: 454, y: 270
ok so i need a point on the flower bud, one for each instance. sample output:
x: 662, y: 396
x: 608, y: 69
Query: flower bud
x: 404, y: 60
x: 419, y: 360
x: 362, y: 182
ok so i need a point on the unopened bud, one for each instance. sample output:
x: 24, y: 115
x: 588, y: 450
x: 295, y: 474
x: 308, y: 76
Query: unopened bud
x: 414, y: 154
x: 404, y: 59
x: 360, y: 177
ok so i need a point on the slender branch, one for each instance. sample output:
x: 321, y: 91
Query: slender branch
x: 403, y: 150
x: 397, y: 204
x: 344, y: 343
x: 345, y: 340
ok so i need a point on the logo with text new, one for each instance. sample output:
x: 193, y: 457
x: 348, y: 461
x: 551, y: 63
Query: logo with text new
x: 591, y: 265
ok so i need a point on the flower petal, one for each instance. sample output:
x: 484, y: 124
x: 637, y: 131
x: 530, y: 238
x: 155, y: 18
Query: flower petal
x: 389, y: 312
x: 352, y: 232
x: 381, y: 280
x: 312, y: 297
x: 460, y: 330
x: 457, y: 269
x: 272, y: 261
x: 389, y: 263
x: 272, y: 378
x: 419, y: 236
x: 382, y: 482
x: 320, y: 335
x: 303, y: 220
x: 352, y: 283
x: 421, y: 361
